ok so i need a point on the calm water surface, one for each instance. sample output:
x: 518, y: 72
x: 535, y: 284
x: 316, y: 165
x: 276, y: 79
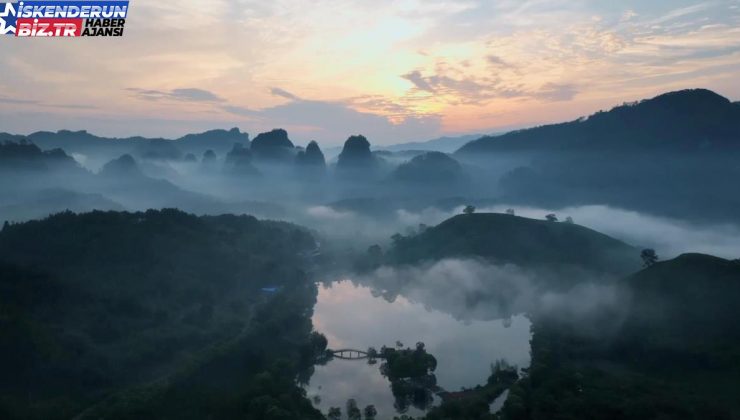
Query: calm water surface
x: 351, y: 317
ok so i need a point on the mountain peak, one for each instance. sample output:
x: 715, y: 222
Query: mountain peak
x: 435, y: 167
x: 312, y: 156
x: 684, y: 121
x: 124, y: 165
x: 222, y: 139
x: 356, y: 153
x: 24, y: 154
x: 273, y: 145
x: 274, y: 138
x: 691, y: 95
x: 683, y: 102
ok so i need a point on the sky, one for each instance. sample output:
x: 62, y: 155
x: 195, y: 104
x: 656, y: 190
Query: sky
x: 394, y: 71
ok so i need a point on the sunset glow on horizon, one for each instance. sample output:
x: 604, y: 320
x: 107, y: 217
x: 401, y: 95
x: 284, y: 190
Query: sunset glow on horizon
x: 394, y: 71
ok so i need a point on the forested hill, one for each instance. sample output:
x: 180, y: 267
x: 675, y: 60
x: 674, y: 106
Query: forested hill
x: 682, y: 121
x: 102, y: 246
x: 673, y: 353
x: 96, y: 303
x: 507, y: 238
x: 694, y: 291
x: 689, y: 270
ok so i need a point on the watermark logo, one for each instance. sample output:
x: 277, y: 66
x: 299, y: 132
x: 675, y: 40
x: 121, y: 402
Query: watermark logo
x: 63, y: 18
x: 7, y: 18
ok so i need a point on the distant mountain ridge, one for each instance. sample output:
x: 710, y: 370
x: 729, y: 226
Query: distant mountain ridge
x: 23, y: 155
x: 430, y: 167
x: 447, y: 144
x: 686, y: 120
x: 33, y: 178
x: 672, y: 155
x: 83, y: 142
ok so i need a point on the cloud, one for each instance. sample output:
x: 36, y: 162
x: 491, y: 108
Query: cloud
x: 240, y: 110
x: 181, y: 94
x: 69, y: 106
x: 418, y: 80
x: 496, y: 61
x: 464, y: 89
x: 7, y: 100
x: 669, y: 237
x: 474, y: 289
x: 37, y: 103
x: 628, y: 15
x: 557, y: 92
x: 386, y: 58
x: 396, y: 109
x: 581, y: 301
x: 284, y: 94
x: 197, y: 95
x: 328, y: 213
x: 331, y: 122
x: 681, y: 12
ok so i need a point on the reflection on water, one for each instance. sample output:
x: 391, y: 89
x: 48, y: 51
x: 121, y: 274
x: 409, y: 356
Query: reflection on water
x: 351, y: 317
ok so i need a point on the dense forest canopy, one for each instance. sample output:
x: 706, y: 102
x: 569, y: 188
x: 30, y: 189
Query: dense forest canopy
x: 674, y: 355
x: 102, y: 301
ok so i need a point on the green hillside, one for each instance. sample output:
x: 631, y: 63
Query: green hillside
x: 504, y: 238
x: 122, y: 310
x: 673, y: 354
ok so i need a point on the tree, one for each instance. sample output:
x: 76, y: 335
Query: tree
x: 353, y: 412
x: 372, y: 354
x: 397, y: 238
x: 335, y: 413
x: 551, y: 217
x: 375, y: 252
x: 209, y: 156
x: 569, y: 220
x: 649, y: 257
x: 5, y: 226
x: 510, y: 212
x: 370, y: 412
x: 469, y: 209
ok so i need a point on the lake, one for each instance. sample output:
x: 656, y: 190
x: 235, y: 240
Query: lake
x: 352, y: 316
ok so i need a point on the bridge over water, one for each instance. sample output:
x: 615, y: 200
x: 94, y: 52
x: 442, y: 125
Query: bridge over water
x: 353, y: 354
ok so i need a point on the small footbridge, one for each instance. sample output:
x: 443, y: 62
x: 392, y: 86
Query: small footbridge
x: 353, y: 354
